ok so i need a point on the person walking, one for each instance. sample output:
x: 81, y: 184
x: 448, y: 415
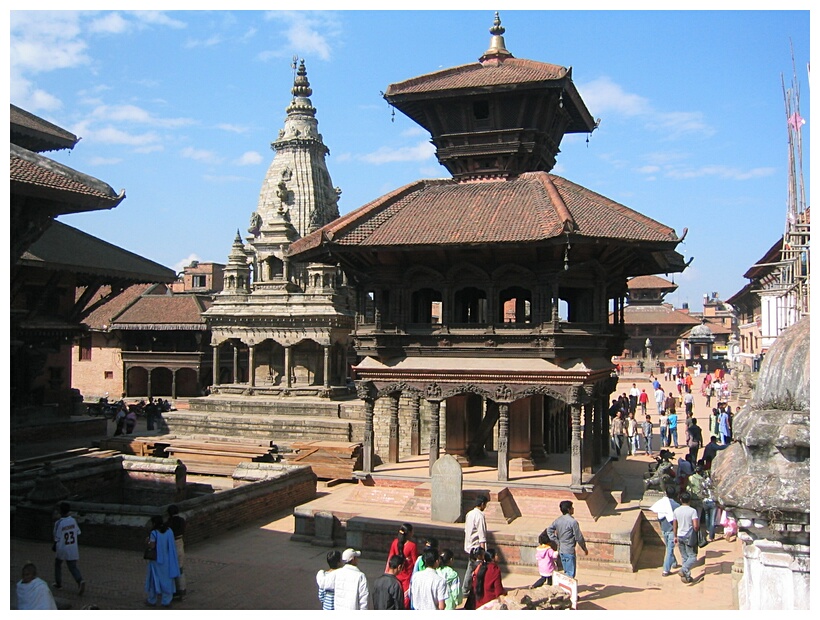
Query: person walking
x: 660, y: 399
x: 663, y: 428
x: 665, y: 509
x: 618, y: 432
x: 672, y: 421
x: 632, y: 435
x: 475, y: 538
x: 351, y: 583
x: 545, y: 556
x: 387, y: 591
x: 487, y: 579
x: 326, y: 579
x: 646, y: 430
x: 567, y: 533
x: 685, y: 521
x: 164, y: 568
x: 450, y: 576
x: 33, y: 592
x: 404, y: 546
x: 634, y: 394
x: 694, y: 439
x: 428, y: 590
x: 177, y: 525
x: 643, y: 399
x: 66, y: 535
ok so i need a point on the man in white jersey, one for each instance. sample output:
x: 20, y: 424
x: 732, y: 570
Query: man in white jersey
x: 66, y: 539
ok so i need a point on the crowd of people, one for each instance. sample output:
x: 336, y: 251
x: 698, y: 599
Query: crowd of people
x: 426, y: 579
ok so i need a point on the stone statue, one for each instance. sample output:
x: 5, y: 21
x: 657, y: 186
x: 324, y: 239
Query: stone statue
x: 255, y: 223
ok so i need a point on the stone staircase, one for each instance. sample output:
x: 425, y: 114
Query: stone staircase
x: 281, y: 420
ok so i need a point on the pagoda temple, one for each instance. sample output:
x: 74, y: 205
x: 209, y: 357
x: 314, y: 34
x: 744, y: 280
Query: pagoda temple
x: 488, y: 295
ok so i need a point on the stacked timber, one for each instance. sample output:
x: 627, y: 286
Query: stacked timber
x: 329, y: 460
x: 218, y: 457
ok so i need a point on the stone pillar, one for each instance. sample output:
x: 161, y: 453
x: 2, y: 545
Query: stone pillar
x: 235, y: 363
x: 393, y: 446
x: 415, y: 424
x: 174, y: 384
x: 575, y: 444
x: 363, y: 391
x: 435, y: 442
x: 215, y: 372
x: 326, y: 351
x: 251, y: 369
x: 588, y: 438
x: 503, y: 441
x: 148, y: 388
x: 287, y: 366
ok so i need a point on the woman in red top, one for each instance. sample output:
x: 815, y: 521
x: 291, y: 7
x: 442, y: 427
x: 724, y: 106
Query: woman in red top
x: 403, y: 546
x: 487, y: 579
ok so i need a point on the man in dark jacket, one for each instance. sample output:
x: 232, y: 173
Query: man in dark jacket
x: 387, y: 591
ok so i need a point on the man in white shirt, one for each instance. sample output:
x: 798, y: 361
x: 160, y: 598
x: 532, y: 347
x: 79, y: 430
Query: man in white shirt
x: 350, y: 583
x: 634, y: 393
x: 33, y: 592
x: 66, y: 547
x: 428, y: 589
x: 665, y: 509
x: 660, y: 400
x: 475, y: 537
x: 685, y: 519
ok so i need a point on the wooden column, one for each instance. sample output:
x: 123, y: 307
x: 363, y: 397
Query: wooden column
x: 367, y: 457
x: 174, y: 383
x: 415, y: 424
x: 575, y: 444
x: 435, y: 441
x: 148, y: 387
x: 393, y: 446
x: 503, y: 441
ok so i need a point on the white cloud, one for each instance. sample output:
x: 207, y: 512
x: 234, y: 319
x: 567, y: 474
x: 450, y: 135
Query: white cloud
x: 111, y: 23
x: 46, y: 40
x: 135, y: 114
x: 180, y: 265
x: 158, y: 18
x: 648, y: 169
x: 249, y: 159
x: 224, y: 178
x: 211, y: 41
x: 306, y: 33
x: 722, y: 172
x: 233, y: 128
x: 202, y: 155
x: 113, y: 135
x: 104, y: 161
x: 420, y: 152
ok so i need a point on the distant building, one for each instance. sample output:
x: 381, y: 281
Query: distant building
x: 198, y: 277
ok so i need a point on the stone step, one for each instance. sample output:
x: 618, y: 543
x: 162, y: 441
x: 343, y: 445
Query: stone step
x: 271, y: 407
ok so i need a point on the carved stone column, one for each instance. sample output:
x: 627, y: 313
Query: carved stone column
x: 236, y: 363
x: 588, y: 438
x: 287, y: 366
x: 503, y: 441
x: 148, y: 388
x: 415, y: 424
x: 174, y: 383
x: 393, y: 446
x: 435, y: 441
x: 251, y: 369
x: 326, y: 350
x: 215, y: 372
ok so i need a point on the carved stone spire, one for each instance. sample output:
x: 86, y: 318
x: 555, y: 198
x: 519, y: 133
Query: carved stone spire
x: 497, y: 51
x: 297, y: 188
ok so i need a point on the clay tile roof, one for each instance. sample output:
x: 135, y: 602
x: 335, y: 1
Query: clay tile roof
x: 62, y: 247
x: 656, y: 315
x: 103, y: 307
x: 534, y: 206
x: 36, y: 134
x: 651, y: 282
x: 512, y: 71
x: 38, y: 176
x: 162, y: 312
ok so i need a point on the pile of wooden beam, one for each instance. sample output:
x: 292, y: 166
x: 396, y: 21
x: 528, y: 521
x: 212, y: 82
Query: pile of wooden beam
x: 330, y: 460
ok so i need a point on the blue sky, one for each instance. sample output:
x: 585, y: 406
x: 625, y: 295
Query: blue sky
x: 179, y: 108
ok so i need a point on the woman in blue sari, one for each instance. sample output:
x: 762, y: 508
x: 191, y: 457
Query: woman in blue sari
x: 159, y: 580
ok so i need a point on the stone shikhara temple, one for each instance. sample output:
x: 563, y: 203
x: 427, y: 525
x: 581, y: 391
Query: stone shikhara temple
x: 486, y: 297
x: 284, y: 327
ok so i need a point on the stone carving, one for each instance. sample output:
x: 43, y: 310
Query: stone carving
x: 364, y: 390
x: 762, y: 478
x: 446, y: 488
x: 433, y: 391
x: 255, y: 223
x: 490, y: 343
x: 503, y: 392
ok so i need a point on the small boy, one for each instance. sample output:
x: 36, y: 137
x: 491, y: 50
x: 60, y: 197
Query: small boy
x: 545, y: 558
x: 326, y: 580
